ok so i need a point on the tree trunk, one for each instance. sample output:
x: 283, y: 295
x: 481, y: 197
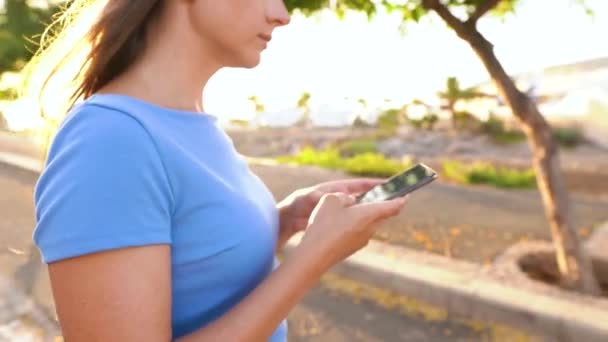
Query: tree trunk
x: 574, y: 265
x: 452, y: 109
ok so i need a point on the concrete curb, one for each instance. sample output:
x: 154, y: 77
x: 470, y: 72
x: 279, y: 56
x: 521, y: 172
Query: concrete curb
x: 462, y: 288
x: 468, y: 290
x: 26, y: 163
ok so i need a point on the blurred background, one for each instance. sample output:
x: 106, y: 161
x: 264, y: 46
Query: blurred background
x: 342, y: 92
x: 381, y: 63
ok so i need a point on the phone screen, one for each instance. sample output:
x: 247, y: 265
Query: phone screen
x: 400, y: 184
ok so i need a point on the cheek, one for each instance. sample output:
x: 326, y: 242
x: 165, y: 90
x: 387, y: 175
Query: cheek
x: 227, y: 29
x: 226, y: 22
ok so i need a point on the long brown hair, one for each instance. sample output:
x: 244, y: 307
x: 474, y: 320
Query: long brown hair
x: 89, y: 43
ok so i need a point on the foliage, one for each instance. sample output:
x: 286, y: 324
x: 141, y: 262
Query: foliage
x: 303, y: 100
x: 568, y: 136
x: 240, y: 123
x: 304, y: 104
x: 495, y: 128
x: 8, y: 94
x: 410, y: 10
x: 493, y: 125
x: 360, y: 123
x: 464, y: 120
x: 390, y: 120
x: 20, y: 24
x: 377, y: 165
x: 259, y: 106
x: 509, y: 137
x: 486, y: 173
x: 328, y: 158
x: 357, y: 146
x: 428, y: 121
x: 381, y: 134
x: 372, y: 164
x: 454, y: 93
x: 364, y: 164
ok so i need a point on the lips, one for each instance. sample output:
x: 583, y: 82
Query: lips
x: 265, y: 37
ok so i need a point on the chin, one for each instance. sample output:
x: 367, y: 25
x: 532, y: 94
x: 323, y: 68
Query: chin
x: 251, y: 62
x: 246, y: 60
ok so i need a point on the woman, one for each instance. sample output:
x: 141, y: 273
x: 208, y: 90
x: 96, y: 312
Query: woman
x: 152, y: 225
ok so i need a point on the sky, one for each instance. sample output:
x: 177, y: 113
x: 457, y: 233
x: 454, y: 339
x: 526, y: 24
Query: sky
x: 353, y: 58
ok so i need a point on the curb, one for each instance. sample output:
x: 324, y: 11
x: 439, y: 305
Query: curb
x: 468, y: 290
x: 26, y: 163
x: 463, y: 288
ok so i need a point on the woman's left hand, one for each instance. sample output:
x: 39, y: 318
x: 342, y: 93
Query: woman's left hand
x: 295, y: 210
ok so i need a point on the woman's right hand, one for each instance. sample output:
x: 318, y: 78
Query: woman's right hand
x: 338, y: 227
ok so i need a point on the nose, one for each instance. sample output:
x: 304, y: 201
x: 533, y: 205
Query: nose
x: 277, y: 13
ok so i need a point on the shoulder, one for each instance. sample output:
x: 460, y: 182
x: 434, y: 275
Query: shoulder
x: 104, y: 186
x: 100, y: 146
x: 100, y: 153
x: 101, y: 130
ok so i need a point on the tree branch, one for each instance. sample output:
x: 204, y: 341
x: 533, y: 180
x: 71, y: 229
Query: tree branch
x: 445, y: 14
x: 462, y: 29
x: 481, y: 10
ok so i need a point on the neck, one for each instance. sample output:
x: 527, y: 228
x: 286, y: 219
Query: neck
x: 167, y: 73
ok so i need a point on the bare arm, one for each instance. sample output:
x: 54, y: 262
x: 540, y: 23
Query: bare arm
x: 125, y: 295
x: 258, y: 315
x: 120, y: 295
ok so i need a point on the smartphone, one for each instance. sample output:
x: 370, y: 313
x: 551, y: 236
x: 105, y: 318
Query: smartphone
x: 400, y: 184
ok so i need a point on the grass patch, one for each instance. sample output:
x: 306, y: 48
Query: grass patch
x: 365, y: 164
x: 568, y: 136
x: 485, y: 173
x: 381, y: 134
x: 494, y: 127
x: 358, y: 146
x: 372, y: 164
x: 428, y: 121
x: 509, y: 137
x: 565, y: 136
x: 390, y: 120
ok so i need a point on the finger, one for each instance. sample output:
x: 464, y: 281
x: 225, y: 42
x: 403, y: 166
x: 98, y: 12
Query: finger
x: 329, y: 198
x: 374, y: 211
x: 361, y: 185
x: 350, y: 186
x: 337, y: 199
x: 314, y: 197
x: 345, y: 199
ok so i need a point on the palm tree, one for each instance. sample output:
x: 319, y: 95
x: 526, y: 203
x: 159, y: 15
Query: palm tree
x: 358, y: 121
x: 453, y: 93
x: 259, y: 106
x: 304, y: 104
